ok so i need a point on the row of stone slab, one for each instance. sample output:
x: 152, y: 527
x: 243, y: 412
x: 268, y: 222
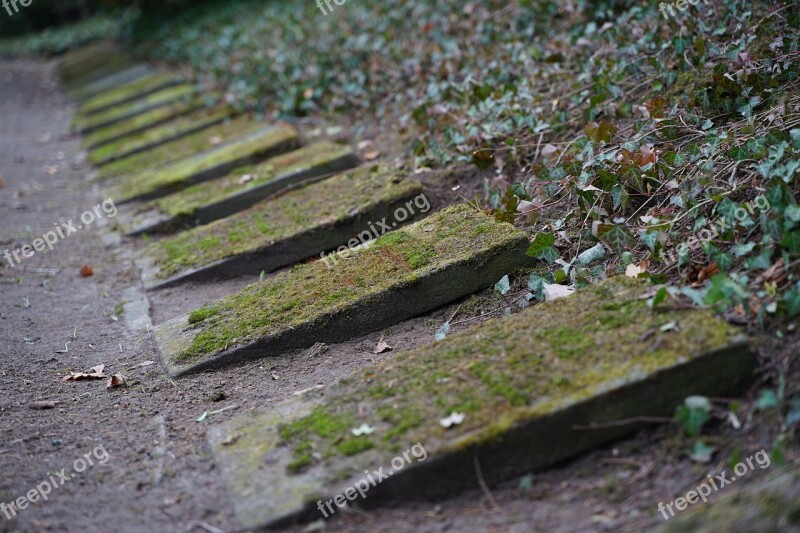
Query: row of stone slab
x: 513, y: 394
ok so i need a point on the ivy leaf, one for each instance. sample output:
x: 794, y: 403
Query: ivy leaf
x: 542, y: 247
x: 600, y: 132
x: 792, y: 299
x: 592, y: 254
x: 792, y: 242
x: 613, y: 235
x: 650, y: 238
x: 503, y: 286
x: 701, y: 453
x: 767, y: 400
x: 441, y: 333
x: 536, y: 286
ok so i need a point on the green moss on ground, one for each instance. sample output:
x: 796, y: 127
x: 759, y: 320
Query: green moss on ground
x: 130, y: 90
x: 185, y: 203
x: 178, y: 174
x: 503, y: 371
x: 142, y: 105
x: 328, y: 202
x: 173, y: 150
x: 146, y: 120
x: 314, y: 290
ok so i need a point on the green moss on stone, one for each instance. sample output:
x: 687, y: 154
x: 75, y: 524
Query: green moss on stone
x: 186, y: 146
x: 313, y: 290
x: 178, y: 175
x: 128, y: 91
x: 186, y: 202
x: 291, y: 214
x: 145, y: 120
x: 141, y: 105
x: 510, y: 369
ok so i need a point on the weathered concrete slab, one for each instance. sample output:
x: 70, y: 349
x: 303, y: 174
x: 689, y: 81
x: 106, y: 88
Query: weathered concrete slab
x: 203, y: 119
x: 772, y: 504
x: 80, y: 61
x: 214, y: 163
x: 145, y: 121
x: 243, y: 188
x: 129, y: 92
x: 404, y: 273
x: 179, y: 93
x: 525, y: 384
x: 107, y: 79
x: 283, y: 231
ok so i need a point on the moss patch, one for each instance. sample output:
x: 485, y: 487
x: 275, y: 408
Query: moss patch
x: 142, y: 105
x: 505, y: 369
x: 172, y: 151
x: 186, y: 202
x: 142, y: 86
x: 145, y: 120
x: 313, y: 290
x: 329, y: 202
x: 178, y: 175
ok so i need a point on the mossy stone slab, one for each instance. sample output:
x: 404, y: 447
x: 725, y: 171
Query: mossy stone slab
x: 527, y: 385
x: 772, y: 504
x: 203, y: 119
x: 177, y: 93
x: 406, y: 272
x: 214, y: 163
x: 107, y: 79
x: 129, y: 92
x: 93, y: 67
x: 282, y: 231
x: 80, y: 61
x: 243, y: 188
x: 150, y: 119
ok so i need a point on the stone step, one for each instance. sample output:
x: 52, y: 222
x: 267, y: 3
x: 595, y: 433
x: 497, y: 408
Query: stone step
x: 151, y: 119
x: 771, y: 504
x: 200, y: 120
x: 252, y: 148
x: 80, y: 61
x: 107, y: 79
x: 404, y: 273
x: 165, y: 97
x: 129, y: 92
x: 283, y: 231
x: 168, y: 150
x: 241, y: 189
x: 535, y: 388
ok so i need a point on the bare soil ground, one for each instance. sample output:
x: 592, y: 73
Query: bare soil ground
x: 160, y: 475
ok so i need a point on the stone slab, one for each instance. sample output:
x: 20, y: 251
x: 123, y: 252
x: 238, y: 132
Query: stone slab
x: 107, y: 79
x: 80, y: 61
x: 528, y: 386
x: 129, y: 92
x: 281, y: 232
x: 169, y: 96
x: 150, y: 119
x: 771, y: 504
x: 252, y: 148
x: 240, y: 190
x: 404, y: 273
x: 203, y: 119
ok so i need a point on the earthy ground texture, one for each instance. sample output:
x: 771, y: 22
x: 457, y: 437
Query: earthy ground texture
x: 609, y: 134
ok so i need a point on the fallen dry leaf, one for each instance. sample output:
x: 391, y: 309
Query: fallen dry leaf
x: 634, y: 269
x: 117, y: 380
x: 381, y: 347
x: 96, y: 372
x: 2, y: 183
x: 555, y: 291
x: 87, y: 271
x: 372, y: 155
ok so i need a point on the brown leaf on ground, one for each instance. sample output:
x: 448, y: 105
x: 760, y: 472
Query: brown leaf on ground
x: 87, y: 271
x: 2, y: 183
x: 634, y: 269
x: 705, y: 273
x: 96, y: 372
x: 382, y: 347
x: 117, y: 380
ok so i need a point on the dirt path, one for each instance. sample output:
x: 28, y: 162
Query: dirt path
x: 152, y: 469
